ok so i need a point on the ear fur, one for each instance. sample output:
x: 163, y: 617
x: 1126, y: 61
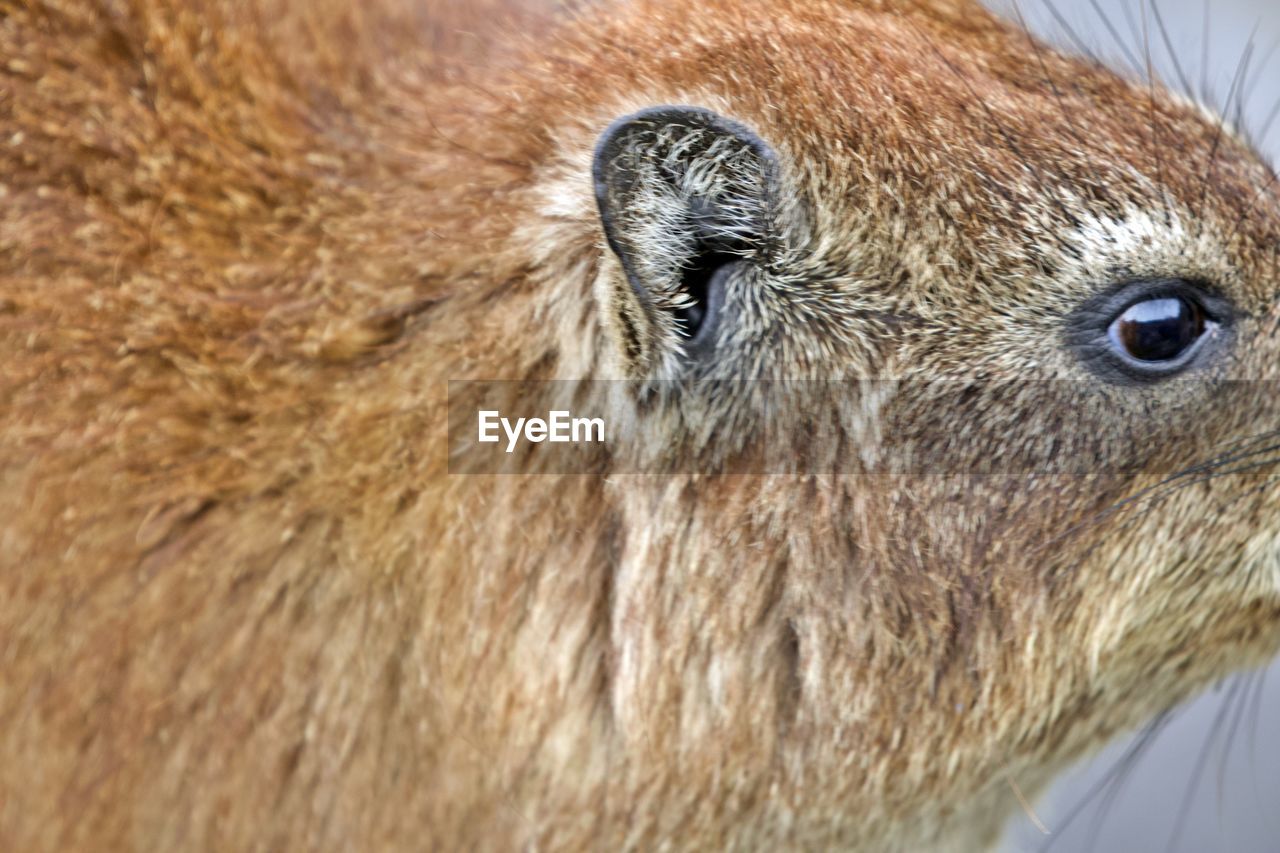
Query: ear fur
x: 684, y: 194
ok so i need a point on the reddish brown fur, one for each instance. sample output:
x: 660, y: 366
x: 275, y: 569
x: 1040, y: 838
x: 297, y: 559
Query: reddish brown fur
x: 244, y: 245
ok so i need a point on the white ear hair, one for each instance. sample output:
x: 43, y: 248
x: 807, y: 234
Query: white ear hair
x: 670, y: 178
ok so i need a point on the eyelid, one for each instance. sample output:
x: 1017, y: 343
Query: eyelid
x: 1117, y: 300
x: 1176, y: 290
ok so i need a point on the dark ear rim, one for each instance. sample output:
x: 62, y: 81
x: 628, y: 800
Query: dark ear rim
x: 610, y: 145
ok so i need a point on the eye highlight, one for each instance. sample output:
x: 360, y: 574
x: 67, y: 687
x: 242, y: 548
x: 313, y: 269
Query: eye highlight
x: 1158, y: 330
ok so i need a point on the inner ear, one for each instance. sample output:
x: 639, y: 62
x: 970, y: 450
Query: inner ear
x: 686, y: 197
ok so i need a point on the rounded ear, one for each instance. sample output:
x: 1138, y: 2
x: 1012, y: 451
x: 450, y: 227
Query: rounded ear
x: 685, y: 197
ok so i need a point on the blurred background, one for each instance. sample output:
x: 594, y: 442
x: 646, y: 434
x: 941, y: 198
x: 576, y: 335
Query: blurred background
x: 1206, y: 778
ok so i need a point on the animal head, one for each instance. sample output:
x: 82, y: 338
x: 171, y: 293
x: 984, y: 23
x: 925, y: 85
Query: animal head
x: 1062, y: 287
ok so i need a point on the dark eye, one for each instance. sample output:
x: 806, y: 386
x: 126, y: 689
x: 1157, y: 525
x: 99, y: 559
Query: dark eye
x: 1158, y: 330
x: 1150, y: 330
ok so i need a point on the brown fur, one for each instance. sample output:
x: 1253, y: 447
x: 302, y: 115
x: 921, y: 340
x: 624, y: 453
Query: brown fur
x: 244, y: 245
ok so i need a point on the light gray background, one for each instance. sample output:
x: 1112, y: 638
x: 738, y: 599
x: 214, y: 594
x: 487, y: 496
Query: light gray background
x: 1209, y: 780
